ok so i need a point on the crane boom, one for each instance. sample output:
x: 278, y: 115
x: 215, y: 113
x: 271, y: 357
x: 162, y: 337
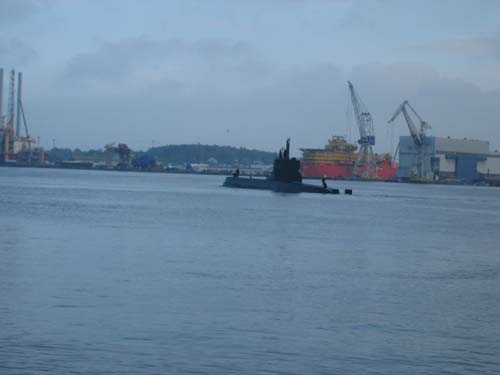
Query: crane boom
x: 26, y: 128
x: 424, y: 125
x: 363, y: 118
x: 418, y: 135
x: 413, y: 110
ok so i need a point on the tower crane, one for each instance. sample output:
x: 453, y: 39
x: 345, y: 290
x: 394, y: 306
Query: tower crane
x: 366, y: 158
x: 418, y: 135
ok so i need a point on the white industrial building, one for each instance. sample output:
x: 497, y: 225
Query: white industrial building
x: 466, y: 160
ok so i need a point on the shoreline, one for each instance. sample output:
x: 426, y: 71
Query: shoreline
x: 222, y: 172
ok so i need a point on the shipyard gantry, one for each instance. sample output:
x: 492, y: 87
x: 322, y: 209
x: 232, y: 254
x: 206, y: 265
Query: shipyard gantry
x: 15, y: 147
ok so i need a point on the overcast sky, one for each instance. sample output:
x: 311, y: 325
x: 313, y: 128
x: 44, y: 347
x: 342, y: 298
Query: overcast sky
x: 250, y: 73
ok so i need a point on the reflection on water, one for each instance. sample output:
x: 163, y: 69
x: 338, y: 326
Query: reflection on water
x: 125, y: 273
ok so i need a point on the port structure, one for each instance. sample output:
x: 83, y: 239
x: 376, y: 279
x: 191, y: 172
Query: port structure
x: 7, y: 125
x: 13, y: 146
x: 124, y: 155
x: 366, y: 164
x: 419, y: 136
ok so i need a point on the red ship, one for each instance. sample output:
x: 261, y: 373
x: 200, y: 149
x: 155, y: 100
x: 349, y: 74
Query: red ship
x: 337, y: 161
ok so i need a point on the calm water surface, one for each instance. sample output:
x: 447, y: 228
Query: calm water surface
x: 128, y: 273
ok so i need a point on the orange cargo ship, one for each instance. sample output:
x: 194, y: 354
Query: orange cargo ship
x: 337, y: 161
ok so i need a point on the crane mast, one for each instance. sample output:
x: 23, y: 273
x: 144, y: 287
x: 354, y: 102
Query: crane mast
x: 9, y: 123
x: 418, y: 136
x: 363, y: 118
x: 424, y: 126
x: 417, y: 139
x: 365, y: 165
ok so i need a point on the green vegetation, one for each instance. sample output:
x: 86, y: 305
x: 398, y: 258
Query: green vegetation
x: 176, y: 154
x: 65, y: 154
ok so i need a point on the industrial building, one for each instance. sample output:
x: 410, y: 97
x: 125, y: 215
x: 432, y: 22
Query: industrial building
x: 464, y: 160
x: 425, y: 158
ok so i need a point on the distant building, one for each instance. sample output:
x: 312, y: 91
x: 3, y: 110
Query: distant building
x: 22, y: 144
x: 466, y: 160
x: 197, y: 167
x: 16, y: 148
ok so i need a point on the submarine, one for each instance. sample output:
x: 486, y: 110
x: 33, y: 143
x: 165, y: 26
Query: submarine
x: 286, y: 178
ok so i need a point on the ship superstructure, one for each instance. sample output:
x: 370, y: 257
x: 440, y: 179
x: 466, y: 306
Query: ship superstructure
x: 342, y: 160
x: 337, y: 161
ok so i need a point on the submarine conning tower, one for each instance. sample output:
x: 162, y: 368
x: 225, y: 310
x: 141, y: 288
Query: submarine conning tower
x: 286, y: 169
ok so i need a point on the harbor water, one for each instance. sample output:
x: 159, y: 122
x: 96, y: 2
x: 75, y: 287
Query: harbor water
x: 141, y: 273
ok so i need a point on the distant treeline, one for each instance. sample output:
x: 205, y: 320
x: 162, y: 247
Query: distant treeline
x: 64, y: 154
x: 176, y: 154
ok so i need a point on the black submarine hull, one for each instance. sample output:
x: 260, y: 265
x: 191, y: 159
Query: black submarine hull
x: 278, y: 186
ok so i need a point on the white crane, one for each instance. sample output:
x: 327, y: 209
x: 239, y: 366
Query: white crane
x: 366, y: 158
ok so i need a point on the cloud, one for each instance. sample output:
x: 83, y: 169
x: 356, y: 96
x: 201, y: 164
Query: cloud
x: 118, y: 60
x: 14, y: 51
x: 113, y: 60
x: 473, y: 48
x: 176, y: 91
x: 358, y: 17
x: 166, y: 111
x: 475, y: 57
x: 15, y: 10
